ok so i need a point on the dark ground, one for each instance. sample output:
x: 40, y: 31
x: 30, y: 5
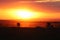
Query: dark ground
x: 29, y: 33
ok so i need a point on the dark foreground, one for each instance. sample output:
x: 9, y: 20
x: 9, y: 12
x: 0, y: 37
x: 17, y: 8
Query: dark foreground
x: 29, y: 33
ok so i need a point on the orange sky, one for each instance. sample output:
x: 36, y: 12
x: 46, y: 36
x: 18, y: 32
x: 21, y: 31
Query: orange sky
x: 49, y: 10
x: 45, y: 11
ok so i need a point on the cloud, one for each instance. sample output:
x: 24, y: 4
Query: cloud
x: 51, y: 6
x: 44, y: 6
x: 25, y: 0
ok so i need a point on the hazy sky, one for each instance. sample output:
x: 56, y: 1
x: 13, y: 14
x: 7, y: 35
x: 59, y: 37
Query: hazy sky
x: 50, y: 9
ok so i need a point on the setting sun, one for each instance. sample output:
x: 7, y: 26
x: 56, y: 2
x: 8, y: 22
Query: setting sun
x: 25, y: 14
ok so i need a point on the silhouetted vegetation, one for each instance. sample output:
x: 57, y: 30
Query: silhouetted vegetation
x: 30, y: 33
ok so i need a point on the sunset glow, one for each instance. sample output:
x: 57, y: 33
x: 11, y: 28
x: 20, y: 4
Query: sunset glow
x: 28, y: 12
x: 24, y: 14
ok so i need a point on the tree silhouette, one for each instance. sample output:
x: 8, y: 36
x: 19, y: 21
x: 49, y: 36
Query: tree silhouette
x: 18, y: 24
